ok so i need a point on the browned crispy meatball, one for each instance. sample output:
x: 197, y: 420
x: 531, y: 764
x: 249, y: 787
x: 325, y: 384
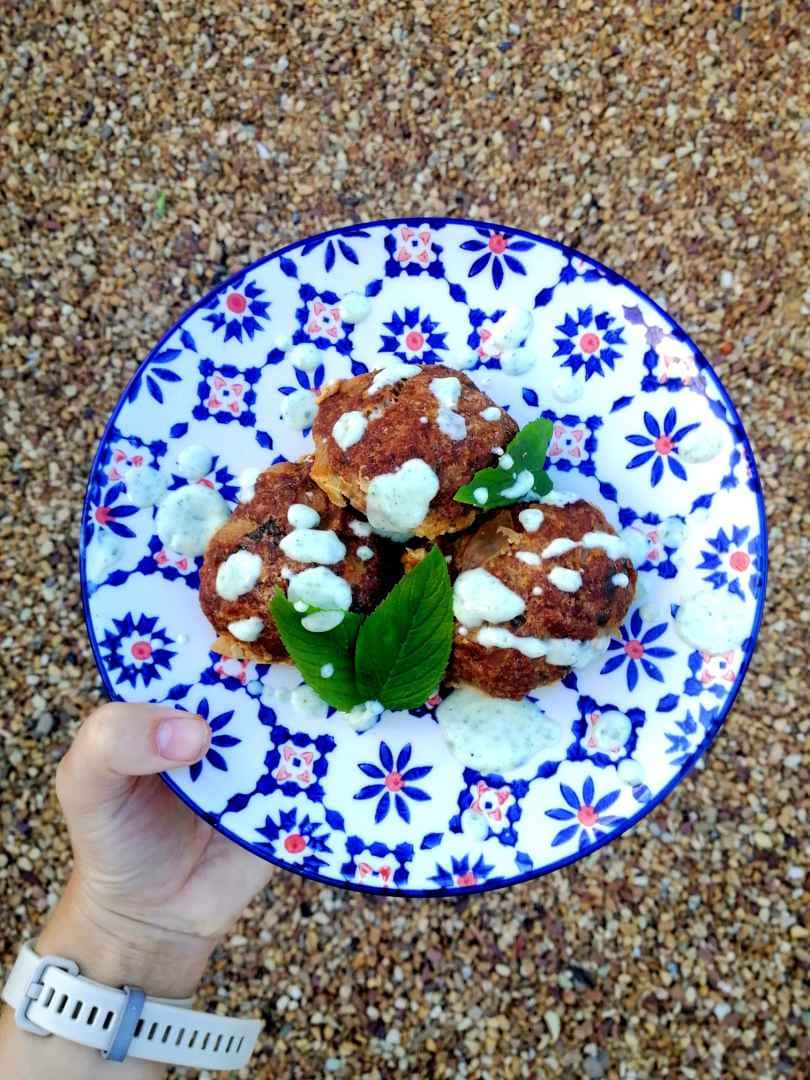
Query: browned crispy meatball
x: 578, y: 595
x: 441, y: 425
x: 257, y: 527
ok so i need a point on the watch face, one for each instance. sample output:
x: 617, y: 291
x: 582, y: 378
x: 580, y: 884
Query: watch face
x: 641, y: 427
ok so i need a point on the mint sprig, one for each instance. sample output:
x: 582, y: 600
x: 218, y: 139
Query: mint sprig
x: 404, y: 645
x: 311, y: 651
x: 528, y: 453
x: 397, y: 655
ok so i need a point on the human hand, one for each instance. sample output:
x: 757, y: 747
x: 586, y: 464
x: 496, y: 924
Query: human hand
x: 153, y: 887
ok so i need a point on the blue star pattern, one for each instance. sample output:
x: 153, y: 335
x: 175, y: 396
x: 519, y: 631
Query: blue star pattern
x: 590, y: 342
x: 635, y: 648
x: 733, y: 561
x: 214, y: 756
x: 414, y: 338
x: 498, y: 248
x: 137, y: 650
x: 425, y: 823
x: 239, y: 309
x: 588, y: 817
x: 663, y: 446
x: 395, y: 780
x: 296, y: 838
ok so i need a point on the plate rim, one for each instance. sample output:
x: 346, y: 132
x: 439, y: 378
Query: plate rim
x: 646, y: 808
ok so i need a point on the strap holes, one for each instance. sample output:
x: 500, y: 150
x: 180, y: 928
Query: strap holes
x: 180, y: 1035
x: 138, y: 1029
x: 91, y: 1016
x: 206, y: 1037
x: 61, y: 1003
x: 239, y: 1044
x: 77, y: 1008
x: 108, y: 1019
x: 48, y: 996
x: 166, y: 1033
x: 152, y: 1031
x: 216, y: 1044
x: 229, y: 1045
x: 193, y: 1038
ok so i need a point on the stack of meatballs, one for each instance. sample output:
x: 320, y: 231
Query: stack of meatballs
x: 435, y: 419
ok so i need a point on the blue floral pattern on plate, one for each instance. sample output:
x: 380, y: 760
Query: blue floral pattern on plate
x: 391, y: 811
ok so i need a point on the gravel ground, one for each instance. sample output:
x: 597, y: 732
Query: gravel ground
x: 150, y: 148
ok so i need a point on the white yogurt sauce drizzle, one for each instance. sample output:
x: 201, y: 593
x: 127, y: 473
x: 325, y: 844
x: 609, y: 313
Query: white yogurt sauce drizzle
x: 561, y: 652
x: 392, y: 374
x: 304, y: 700
x: 365, y: 553
x: 321, y: 588
x: 349, y: 429
x: 313, y: 546
x: 451, y: 424
x: 513, y: 327
x: 305, y: 356
x: 518, y: 361
x: 711, y: 622
x: 361, y: 717
x: 321, y: 621
x: 672, y: 532
x: 238, y: 574
x: 565, y: 580
x: 561, y: 546
x: 481, y: 494
x: 247, y: 483
x: 479, y: 597
x: 462, y: 361
x: 506, y: 462
x: 354, y: 307
x: 327, y: 671
x: 447, y: 392
x: 246, y: 629
x: 531, y: 558
x: 702, y: 445
x: 490, y: 414
x: 360, y: 528
x: 558, y: 497
x: 494, y: 734
x: 301, y: 516
x: 636, y: 544
x: 567, y: 388
x: 103, y: 553
x: 531, y: 520
x: 398, y: 502
x: 300, y: 409
x: 188, y: 517
x: 145, y: 486
x: 521, y: 486
x: 194, y: 462
x: 621, y: 581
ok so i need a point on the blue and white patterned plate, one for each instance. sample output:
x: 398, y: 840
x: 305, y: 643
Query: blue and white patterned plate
x: 391, y: 810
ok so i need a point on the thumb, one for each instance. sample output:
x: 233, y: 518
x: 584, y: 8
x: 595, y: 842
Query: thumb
x: 120, y: 741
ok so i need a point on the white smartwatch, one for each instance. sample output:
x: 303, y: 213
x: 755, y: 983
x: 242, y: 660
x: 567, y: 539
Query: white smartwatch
x: 50, y: 997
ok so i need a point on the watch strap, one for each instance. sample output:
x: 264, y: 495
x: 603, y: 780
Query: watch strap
x: 50, y: 997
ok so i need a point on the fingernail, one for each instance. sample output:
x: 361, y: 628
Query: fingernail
x: 182, y: 737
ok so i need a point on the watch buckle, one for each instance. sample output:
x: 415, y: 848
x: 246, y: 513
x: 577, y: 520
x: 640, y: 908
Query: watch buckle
x: 34, y: 989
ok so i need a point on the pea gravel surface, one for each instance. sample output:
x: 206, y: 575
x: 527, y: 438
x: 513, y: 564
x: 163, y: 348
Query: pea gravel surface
x: 147, y: 149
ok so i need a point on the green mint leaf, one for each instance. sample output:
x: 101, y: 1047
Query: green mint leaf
x: 403, y: 646
x: 310, y: 651
x: 528, y: 453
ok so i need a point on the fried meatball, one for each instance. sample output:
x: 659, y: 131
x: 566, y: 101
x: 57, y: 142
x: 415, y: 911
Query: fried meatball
x: 373, y: 425
x: 570, y: 592
x: 257, y: 528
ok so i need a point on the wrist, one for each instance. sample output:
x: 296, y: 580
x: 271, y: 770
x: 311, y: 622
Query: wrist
x: 118, y: 950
